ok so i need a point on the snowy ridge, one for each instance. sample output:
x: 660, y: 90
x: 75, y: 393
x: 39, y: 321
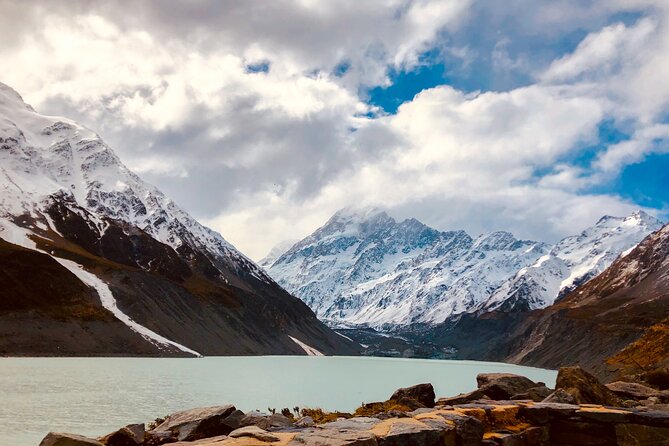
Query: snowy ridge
x: 574, y: 260
x: 363, y: 268
x: 42, y: 157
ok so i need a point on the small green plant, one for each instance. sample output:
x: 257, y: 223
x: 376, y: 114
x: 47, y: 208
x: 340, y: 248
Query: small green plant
x: 155, y: 423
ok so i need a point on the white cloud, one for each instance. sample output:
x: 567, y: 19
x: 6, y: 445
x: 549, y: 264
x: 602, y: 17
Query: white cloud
x: 265, y: 156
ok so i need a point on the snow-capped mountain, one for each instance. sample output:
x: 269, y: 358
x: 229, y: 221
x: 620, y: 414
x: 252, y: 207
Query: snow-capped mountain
x: 572, y: 262
x: 161, y: 281
x: 42, y: 157
x: 276, y: 252
x: 363, y: 268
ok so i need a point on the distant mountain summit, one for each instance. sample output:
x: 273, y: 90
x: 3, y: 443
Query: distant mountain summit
x: 364, y: 268
x: 103, y: 263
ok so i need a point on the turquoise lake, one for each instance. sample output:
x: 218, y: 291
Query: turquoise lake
x: 93, y: 396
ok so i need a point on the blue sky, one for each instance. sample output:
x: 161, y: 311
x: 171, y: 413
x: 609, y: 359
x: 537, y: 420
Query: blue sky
x: 262, y: 119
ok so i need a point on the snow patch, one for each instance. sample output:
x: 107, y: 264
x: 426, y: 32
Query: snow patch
x: 109, y: 302
x: 309, y: 350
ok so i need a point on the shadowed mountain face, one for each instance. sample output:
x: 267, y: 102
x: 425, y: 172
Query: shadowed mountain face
x: 615, y: 324
x: 96, y: 262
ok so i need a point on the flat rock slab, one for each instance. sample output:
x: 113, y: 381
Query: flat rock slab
x: 333, y: 437
x: 63, y: 439
x: 253, y: 432
x: 411, y: 432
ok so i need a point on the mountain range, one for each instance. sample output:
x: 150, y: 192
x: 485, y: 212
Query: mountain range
x: 363, y: 268
x: 94, y: 261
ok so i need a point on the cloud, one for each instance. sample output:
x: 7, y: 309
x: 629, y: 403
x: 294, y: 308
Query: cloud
x: 253, y: 115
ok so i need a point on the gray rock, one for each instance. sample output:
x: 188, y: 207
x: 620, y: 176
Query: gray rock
x: 560, y: 396
x: 194, y: 424
x: 422, y: 393
x: 333, y: 437
x: 502, y: 386
x: 305, y: 422
x: 253, y: 432
x: 634, y: 391
x: 413, y: 434
x: 255, y: 419
x: 352, y: 424
x: 277, y: 420
x: 130, y: 435
x: 62, y: 439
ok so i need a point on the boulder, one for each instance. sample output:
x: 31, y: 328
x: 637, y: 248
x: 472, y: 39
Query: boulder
x: 635, y: 391
x: 584, y: 387
x: 560, y: 396
x: 305, y: 422
x: 255, y: 419
x: 502, y: 386
x: 234, y: 420
x: 422, y: 393
x: 62, y: 439
x: 189, y: 425
x: 253, y: 432
x: 277, y: 420
x: 130, y: 435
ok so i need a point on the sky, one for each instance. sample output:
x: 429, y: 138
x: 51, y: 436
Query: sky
x: 262, y: 119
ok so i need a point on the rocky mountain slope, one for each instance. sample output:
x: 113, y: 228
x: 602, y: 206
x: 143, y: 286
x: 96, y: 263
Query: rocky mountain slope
x: 96, y: 261
x: 616, y: 324
x: 363, y: 268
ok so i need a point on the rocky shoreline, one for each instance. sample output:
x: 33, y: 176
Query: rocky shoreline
x: 505, y: 409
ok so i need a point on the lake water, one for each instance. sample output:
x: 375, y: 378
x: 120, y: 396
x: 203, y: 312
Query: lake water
x: 93, y: 396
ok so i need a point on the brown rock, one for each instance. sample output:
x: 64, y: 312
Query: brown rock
x: 584, y: 387
x: 62, y: 439
x: 423, y: 393
x: 131, y: 435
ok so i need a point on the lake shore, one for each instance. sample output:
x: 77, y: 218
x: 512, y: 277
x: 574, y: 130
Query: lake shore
x: 505, y: 409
